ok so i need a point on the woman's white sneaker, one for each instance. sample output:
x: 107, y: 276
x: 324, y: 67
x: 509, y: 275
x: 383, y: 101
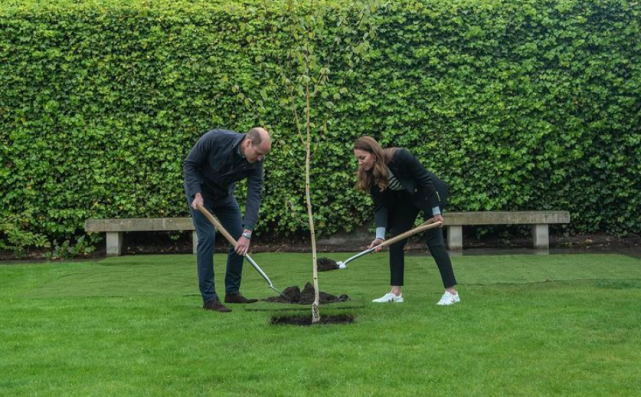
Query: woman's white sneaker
x: 389, y: 298
x: 448, y: 299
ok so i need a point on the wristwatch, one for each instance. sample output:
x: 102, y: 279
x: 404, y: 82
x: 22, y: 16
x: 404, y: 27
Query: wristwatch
x: 248, y: 236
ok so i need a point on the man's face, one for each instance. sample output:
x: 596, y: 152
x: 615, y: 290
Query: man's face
x: 255, y: 153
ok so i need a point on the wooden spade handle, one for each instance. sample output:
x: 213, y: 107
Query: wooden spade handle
x: 217, y: 224
x: 229, y: 238
x: 430, y: 224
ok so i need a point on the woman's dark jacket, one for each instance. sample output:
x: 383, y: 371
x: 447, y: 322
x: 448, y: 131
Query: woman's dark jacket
x: 426, y: 189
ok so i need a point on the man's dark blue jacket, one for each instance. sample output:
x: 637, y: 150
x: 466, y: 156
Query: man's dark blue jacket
x: 209, y: 169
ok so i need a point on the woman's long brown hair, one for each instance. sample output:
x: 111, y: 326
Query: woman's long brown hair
x: 379, y: 173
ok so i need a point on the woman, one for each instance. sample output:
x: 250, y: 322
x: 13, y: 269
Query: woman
x: 401, y: 187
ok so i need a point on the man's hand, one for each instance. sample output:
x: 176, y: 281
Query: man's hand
x: 376, y: 242
x: 198, y: 199
x: 439, y: 218
x: 242, y: 246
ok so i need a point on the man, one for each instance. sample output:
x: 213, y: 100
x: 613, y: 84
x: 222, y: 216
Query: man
x: 219, y: 159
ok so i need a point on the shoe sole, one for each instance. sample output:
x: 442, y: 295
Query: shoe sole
x: 240, y: 303
x: 388, y: 302
x: 447, y: 304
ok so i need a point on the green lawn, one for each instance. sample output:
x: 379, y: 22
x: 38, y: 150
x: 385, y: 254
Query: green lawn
x: 566, y: 325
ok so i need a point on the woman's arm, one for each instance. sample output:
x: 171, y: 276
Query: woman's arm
x: 421, y: 176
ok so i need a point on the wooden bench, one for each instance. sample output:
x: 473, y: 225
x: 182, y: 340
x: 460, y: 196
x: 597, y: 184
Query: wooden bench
x: 116, y: 227
x: 540, y: 221
x: 454, y: 222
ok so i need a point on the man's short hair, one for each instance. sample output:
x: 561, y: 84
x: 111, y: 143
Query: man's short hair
x: 255, y: 136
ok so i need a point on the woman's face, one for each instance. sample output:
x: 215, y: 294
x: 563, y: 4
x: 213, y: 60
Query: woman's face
x: 365, y: 159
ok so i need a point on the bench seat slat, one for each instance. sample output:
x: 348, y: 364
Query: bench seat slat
x: 138, y: 225
x: 505, y: 218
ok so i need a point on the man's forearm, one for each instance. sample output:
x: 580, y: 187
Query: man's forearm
x: 254, y: 198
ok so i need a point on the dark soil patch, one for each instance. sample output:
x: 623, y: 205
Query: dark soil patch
x: 326, y: 264
x: 306, y: 296
x: 307, y: 320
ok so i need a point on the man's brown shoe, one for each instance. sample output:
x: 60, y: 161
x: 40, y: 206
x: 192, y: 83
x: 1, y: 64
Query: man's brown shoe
x: 238, y: 298
x: 216, y: 306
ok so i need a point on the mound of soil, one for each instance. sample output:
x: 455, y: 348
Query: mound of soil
x: 326, y: 264
x: 306, y: 296
x: 307, y: 320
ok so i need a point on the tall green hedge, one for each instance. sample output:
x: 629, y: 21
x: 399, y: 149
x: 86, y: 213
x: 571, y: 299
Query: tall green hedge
x: 526, y: 104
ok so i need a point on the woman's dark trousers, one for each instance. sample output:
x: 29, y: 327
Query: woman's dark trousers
x: 402, y: 215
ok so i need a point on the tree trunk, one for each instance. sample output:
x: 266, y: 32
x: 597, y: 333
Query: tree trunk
x: 310, y: 214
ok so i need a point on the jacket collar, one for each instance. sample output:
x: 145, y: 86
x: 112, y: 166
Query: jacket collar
x: 237, y: 139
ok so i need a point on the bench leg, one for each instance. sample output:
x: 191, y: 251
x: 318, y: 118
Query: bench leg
x: 541, y: 236
x: 455, y: 238
x: 114, y: 243
x: 194, y: 241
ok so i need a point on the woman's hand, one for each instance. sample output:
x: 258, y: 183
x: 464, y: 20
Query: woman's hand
x: 439, y: 218
x: 376, y: 242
